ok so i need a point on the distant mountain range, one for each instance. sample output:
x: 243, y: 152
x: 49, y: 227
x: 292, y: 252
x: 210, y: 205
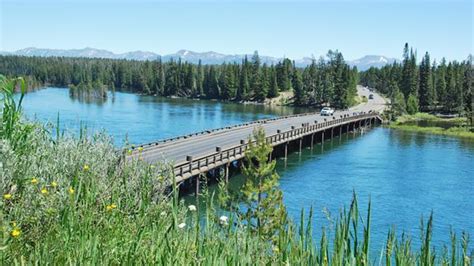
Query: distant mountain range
x: 189, y: 56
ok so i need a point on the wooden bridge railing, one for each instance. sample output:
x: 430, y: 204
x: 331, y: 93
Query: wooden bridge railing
x: 194, y: 166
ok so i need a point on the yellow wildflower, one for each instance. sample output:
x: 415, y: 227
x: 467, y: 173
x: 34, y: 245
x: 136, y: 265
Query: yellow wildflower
x: 130, y: 152
x: 16, y: 232
x: 34, y: 181
x: 7, y: 196
x: 111, y: 207
x: 54, y: 184
x: 86, y: 167
x: 44, y: 191
x: 71, y: 190
x: 140, y: 149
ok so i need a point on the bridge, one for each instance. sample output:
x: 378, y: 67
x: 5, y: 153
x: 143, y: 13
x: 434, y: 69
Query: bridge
x: 201, y: 152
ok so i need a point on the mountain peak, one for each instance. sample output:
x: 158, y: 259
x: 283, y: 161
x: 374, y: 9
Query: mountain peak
x: 183, y: 52
x: 209, y: 57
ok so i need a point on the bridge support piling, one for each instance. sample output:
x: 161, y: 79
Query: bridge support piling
x: 227, y: 172
x: 301, y: 143
x: 197, y: 187
x: 312, y: 140
x: 286, y: 151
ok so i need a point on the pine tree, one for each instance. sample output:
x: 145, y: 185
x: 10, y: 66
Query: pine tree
x: 262, y: 90
x: 409, y: 74
x: 200, y: 79
x: 256, y: 78
x: 171, y: 81
x: 213, y: 84
x: 228, y: 84
x: 297, y: 82
x: 441, y: 82
x: 284, y: 74
x: 244, y: 87
x: 397, y: 99
x: 453, y: 95
x: 262, y: 199
x: 426, y: 92
x: 328, y: 87
x: 468, y: 87
x: 274, y: 90
x: 190, y: 82
x: 413, y: 74
x: 310, y: 77
x: 338, y: 67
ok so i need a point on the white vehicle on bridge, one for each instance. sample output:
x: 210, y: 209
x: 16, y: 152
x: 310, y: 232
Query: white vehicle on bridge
x: 327, y: 111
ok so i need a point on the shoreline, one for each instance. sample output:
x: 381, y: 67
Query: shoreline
x: 459, y: 127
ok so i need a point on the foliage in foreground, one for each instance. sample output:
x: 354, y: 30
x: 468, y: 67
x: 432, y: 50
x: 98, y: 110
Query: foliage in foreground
x: 72, y: 201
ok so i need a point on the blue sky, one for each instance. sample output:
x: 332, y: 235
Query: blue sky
x: 277, y: 28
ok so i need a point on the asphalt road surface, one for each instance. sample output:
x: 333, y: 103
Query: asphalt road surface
x: 200, y: 145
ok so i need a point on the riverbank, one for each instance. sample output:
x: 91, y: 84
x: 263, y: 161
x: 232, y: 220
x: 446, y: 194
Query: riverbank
x: 431, y: 124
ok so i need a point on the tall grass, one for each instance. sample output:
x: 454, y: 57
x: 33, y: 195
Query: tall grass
x: 72, y: 200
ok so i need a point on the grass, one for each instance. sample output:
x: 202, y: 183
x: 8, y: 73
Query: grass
x: 404, y: 123
x: 72, y: 200
x: 428, y: 117
x: 461, y: 132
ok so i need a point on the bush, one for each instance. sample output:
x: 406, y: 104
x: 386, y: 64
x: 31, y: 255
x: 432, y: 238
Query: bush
x: 412, y: 104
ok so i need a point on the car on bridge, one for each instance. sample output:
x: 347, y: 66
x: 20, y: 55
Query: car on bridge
x: 327, y: 111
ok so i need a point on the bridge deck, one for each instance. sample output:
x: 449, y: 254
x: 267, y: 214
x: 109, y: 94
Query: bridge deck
x: 201, y: 145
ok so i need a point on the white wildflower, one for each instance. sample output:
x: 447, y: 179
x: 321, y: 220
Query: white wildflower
x: 181, y: 225
x: 224, y: 220
x: 192, y: 208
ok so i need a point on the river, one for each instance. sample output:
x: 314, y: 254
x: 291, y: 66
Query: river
x: 406, y: 175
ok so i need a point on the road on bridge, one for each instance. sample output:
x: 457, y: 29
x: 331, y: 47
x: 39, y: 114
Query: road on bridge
x: 176, y: 151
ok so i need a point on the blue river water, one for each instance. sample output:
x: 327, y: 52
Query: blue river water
x: 406, y: 175
x: 141, y: 118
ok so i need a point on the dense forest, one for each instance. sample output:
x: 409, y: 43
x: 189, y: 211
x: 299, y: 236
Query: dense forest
x: 428, y: 86
x: 326, y: 81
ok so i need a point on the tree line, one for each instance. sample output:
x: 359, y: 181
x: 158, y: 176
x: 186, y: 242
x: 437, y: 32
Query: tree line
x: 428, y: 86
x: 328, y: 81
